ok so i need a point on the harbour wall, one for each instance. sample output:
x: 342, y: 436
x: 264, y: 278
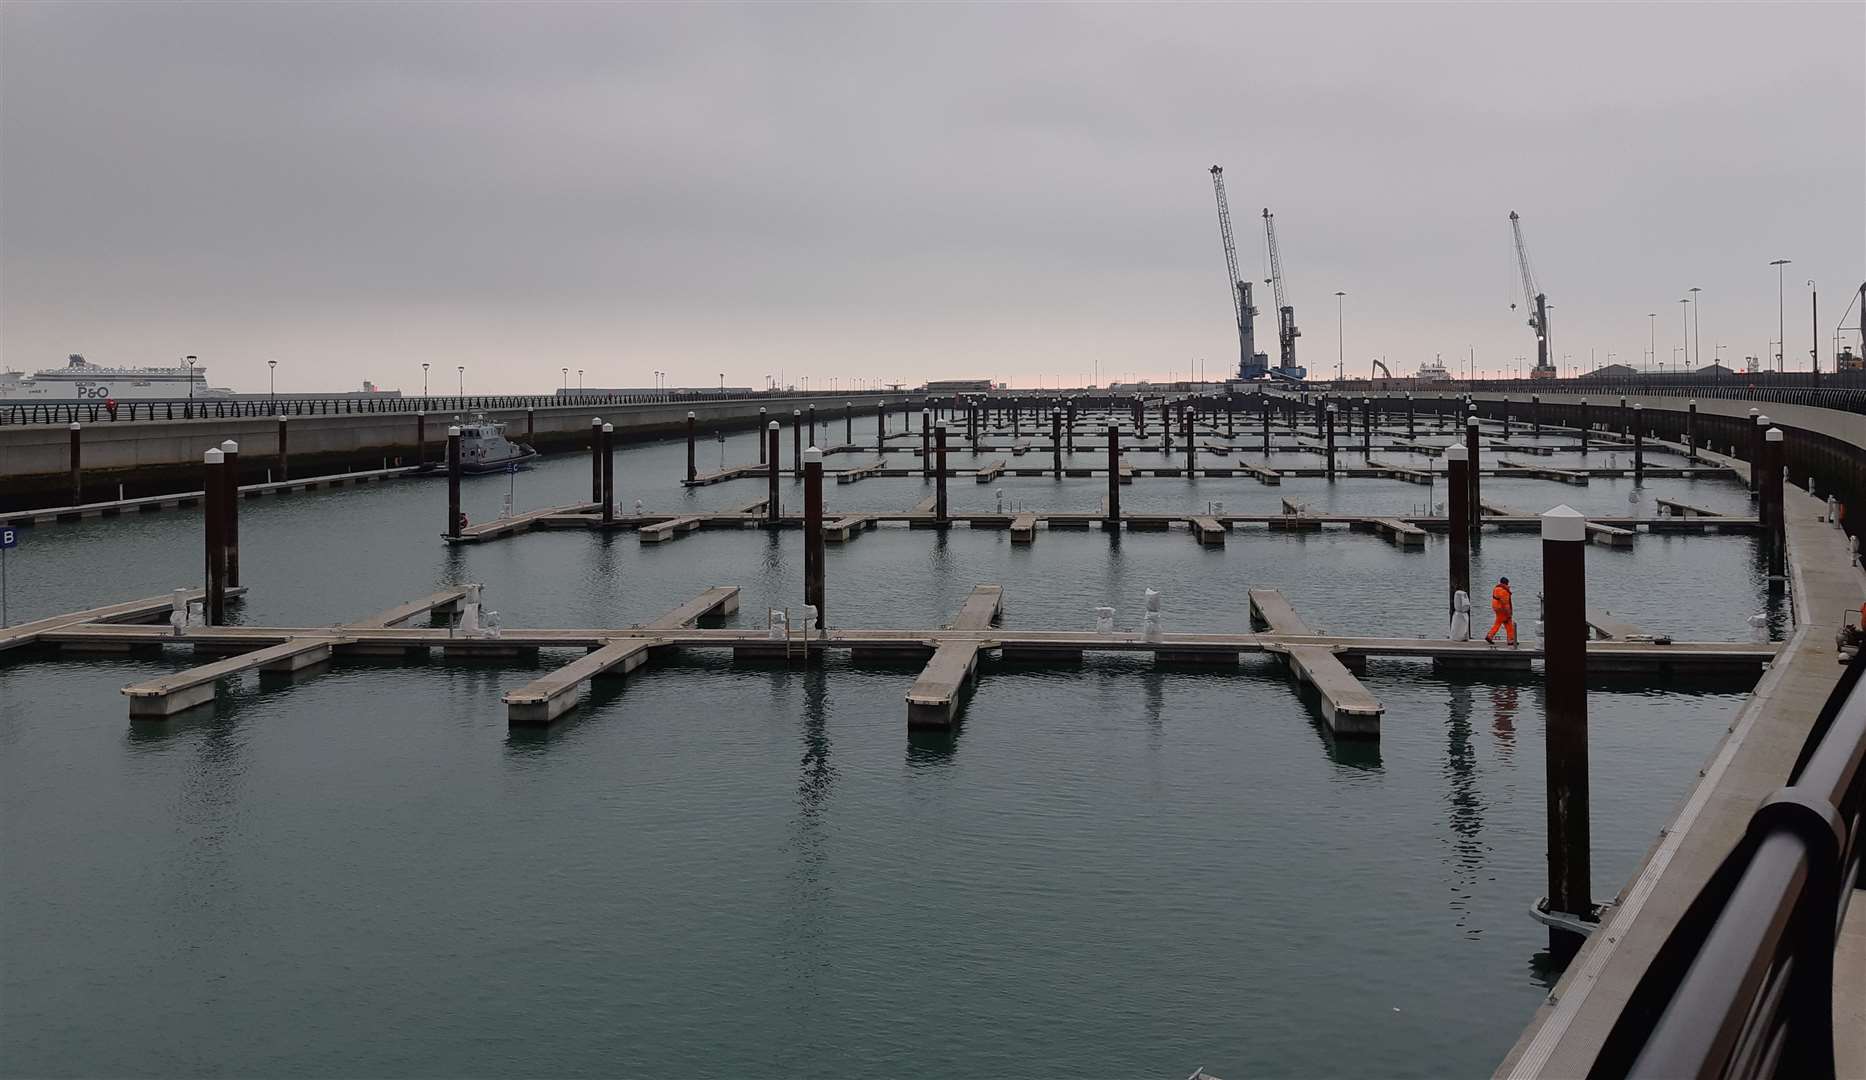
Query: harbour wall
x: 157, y: 456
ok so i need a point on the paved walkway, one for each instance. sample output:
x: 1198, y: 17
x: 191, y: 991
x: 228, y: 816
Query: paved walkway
x: 1753, y: 761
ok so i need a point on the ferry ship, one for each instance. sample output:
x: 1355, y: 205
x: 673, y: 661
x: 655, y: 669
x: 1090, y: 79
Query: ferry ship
x: 82, y: 381
x: 1433, y: 371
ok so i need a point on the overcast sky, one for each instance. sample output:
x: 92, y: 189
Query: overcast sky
x: 898, y: 192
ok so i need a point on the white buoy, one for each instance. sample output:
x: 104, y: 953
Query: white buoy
x: 1759, y: 626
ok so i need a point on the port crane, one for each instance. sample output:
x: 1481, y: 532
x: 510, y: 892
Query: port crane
x: 1286, y: 332
x: 1539, y: 318
x: 1251, y: 363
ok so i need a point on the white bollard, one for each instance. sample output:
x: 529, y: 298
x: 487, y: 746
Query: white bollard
x: 1460, y: 616
x: 178, y: 613
x: 1150, y: 619
x: 1104, y: 620
x: 1759, y: 627
x: 777, y: 624
x: 1833, y: 510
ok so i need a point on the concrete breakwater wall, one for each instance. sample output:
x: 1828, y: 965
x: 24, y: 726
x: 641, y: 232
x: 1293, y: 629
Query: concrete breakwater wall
x: 152, y: 457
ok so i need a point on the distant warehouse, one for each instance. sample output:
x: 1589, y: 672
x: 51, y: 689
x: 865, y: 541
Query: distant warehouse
x: 957, y: 386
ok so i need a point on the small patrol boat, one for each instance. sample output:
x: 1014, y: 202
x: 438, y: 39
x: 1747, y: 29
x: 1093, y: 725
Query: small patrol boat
x: 485, y: 449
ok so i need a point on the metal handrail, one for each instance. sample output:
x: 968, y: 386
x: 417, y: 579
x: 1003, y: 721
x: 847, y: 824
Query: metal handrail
x: 261, y: 408
x: 1743, y: 986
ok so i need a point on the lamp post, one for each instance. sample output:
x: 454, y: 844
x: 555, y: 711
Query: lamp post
x: 461, y: 368
x: 566, y: 373
x: 424, y: 379
x: 1340, y: 324
x: 272, y: 381
x: 1652, y: 338
x: 1781, y: 316
x: 1696, y: 357
x: 190, y: 378
x: 579, y: 378
x: 1686, y: 313
x: 1814, y: 329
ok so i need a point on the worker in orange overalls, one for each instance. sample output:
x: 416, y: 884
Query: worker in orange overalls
x: 1504, y: 606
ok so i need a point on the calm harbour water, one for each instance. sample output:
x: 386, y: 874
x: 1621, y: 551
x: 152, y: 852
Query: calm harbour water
x: 724, y: 871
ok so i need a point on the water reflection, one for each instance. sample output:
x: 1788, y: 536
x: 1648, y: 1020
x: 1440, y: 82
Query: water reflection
x: 1465, y: 805
x: 1504, y: 705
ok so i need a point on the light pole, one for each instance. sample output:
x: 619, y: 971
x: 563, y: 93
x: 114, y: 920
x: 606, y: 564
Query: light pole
x: 1686, y: 313
x: 461, y: 368
x: 1814, y: 329
x: 1652, y: 336
x: 566, y: 372
x: 1340, y: 325
x: 424, y: 379
x: 272, y: 381
x: 1781, y: 316
x: 1696, y: 357
x: 579, y: 378
x: 190, y: 378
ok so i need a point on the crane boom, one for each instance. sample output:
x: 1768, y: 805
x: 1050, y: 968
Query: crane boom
x: 1286, y: 332
x: 1532, y: 294
x: 1251, y: 363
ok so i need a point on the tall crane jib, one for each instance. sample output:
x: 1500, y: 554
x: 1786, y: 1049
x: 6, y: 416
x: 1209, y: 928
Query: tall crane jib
x: 1286, y: 332
x: 1539, y: 318
x: 1251, y: 363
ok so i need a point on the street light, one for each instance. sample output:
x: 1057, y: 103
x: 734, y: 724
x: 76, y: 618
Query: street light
x: 1340, y: 342
x: 566, y: 372
x: 190, y: 378
x: 1686, y: 313
x: 1652, y: 336
x: 1814, y: 329
x: 579, y: 378
x: 1697, y: 339
x: 272, y: 382
x: 424, y: 380
x: 461, y: 368
x: 1781, y: 317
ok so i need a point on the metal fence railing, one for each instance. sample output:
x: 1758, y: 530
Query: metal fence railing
x: 1743, y: 987
x: 235, y: 408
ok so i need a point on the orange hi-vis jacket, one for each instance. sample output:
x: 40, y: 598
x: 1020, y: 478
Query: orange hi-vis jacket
x: 1501, y: 602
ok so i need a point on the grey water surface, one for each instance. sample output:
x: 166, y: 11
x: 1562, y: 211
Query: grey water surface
x: 733, y: 871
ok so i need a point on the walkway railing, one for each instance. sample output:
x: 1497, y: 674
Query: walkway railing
x: 1744, y: 985
x: 235, y: 408
x: 1849, y: 397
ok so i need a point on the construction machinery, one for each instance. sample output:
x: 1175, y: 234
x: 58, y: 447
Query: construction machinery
x: 1251, y: 363
x: 1286, y: 332
x: 1380, y: 370
x: 1539, y: 318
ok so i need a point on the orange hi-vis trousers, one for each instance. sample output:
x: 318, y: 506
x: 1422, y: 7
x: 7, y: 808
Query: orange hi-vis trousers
x: 1503, y: 622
